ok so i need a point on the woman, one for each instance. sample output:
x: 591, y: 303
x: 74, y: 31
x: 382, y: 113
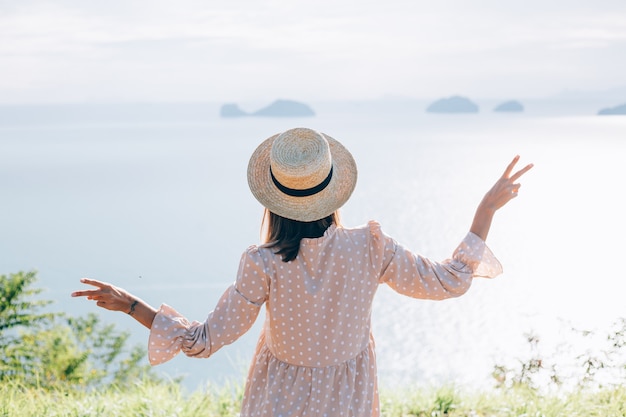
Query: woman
x: 315, y: 355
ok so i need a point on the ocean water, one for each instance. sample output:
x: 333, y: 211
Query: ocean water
x: 154, y: 198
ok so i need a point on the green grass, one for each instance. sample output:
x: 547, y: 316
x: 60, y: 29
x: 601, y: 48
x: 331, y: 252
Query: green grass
x: 143, y: 399
x: 518, y: 402
x: 170, y: 400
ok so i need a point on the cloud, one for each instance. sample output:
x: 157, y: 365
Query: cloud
x: 139, y: 49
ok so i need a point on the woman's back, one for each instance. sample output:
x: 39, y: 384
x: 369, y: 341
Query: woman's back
x: 319, y: 304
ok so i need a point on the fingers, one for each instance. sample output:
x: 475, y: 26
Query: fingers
x: 105, y: 295
x: 510, y: 167
x: 92, y: 293
x: 521, y: 172
x: 94, y: 282
x: 86, y: 293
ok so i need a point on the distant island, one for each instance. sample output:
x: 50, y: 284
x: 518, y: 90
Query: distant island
x: 232, y: 110
x: 621, y: 109
x: 509, y: 106
x: 454, y: 104
x: 279, y: 108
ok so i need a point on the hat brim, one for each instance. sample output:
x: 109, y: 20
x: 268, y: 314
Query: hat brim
x: 304, y: 209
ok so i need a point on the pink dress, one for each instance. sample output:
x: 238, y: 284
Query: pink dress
x: 315, y: 355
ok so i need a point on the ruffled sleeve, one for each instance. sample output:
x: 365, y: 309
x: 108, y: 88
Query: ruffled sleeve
x: 416, y: 276
x: 476, y: 255
x: 170, y: 331
x: 234, y: 314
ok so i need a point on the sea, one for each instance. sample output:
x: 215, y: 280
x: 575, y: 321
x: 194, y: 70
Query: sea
x: 153, y: 197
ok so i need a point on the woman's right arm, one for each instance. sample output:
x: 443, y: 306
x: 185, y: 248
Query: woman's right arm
x: 114, y: 298
x: 504, y: 190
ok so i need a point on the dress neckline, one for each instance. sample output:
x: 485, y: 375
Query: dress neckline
x: 316, y: 240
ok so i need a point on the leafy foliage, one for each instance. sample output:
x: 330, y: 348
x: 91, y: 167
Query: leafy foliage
x: 601, y: 365
x: 52, y: 349
x: 15, y: 307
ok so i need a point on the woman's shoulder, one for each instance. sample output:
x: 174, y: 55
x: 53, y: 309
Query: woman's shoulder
x: 257, y: 250
x: 258, y: 256
x: 256, y: 253
x: 372, y: 226
x: 370, y: 231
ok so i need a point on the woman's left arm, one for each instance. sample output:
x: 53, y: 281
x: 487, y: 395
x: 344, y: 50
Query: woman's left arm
x: 113, y: 298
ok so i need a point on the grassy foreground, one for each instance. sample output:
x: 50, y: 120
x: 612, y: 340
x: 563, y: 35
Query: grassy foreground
x: 170, y: 400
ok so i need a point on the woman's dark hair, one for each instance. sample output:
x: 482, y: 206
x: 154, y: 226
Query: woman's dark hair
x: 285, y: 234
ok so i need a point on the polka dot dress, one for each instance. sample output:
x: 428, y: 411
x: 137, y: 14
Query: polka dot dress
x: 315, y: 355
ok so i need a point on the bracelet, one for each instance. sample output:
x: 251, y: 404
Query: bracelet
x: 132, y: 307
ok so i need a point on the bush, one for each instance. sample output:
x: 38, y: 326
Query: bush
x: 601, y: 363
x: 49, y: 349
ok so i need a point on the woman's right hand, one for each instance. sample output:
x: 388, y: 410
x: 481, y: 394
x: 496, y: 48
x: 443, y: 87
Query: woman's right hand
x: 503, y: 191
x: 506, y: 188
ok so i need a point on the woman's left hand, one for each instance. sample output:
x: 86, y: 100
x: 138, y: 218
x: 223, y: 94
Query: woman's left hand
x: 106, y: 295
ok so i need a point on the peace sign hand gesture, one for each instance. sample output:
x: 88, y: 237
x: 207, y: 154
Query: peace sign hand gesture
x: 503, y: 191
x: 106, y: 295
x: 114, y: 298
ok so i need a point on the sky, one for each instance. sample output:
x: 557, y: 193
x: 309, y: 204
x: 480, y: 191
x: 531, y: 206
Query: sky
x: 246, y: 50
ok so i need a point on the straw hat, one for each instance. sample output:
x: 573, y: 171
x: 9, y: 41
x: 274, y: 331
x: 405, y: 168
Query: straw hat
x: 302, y: 174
